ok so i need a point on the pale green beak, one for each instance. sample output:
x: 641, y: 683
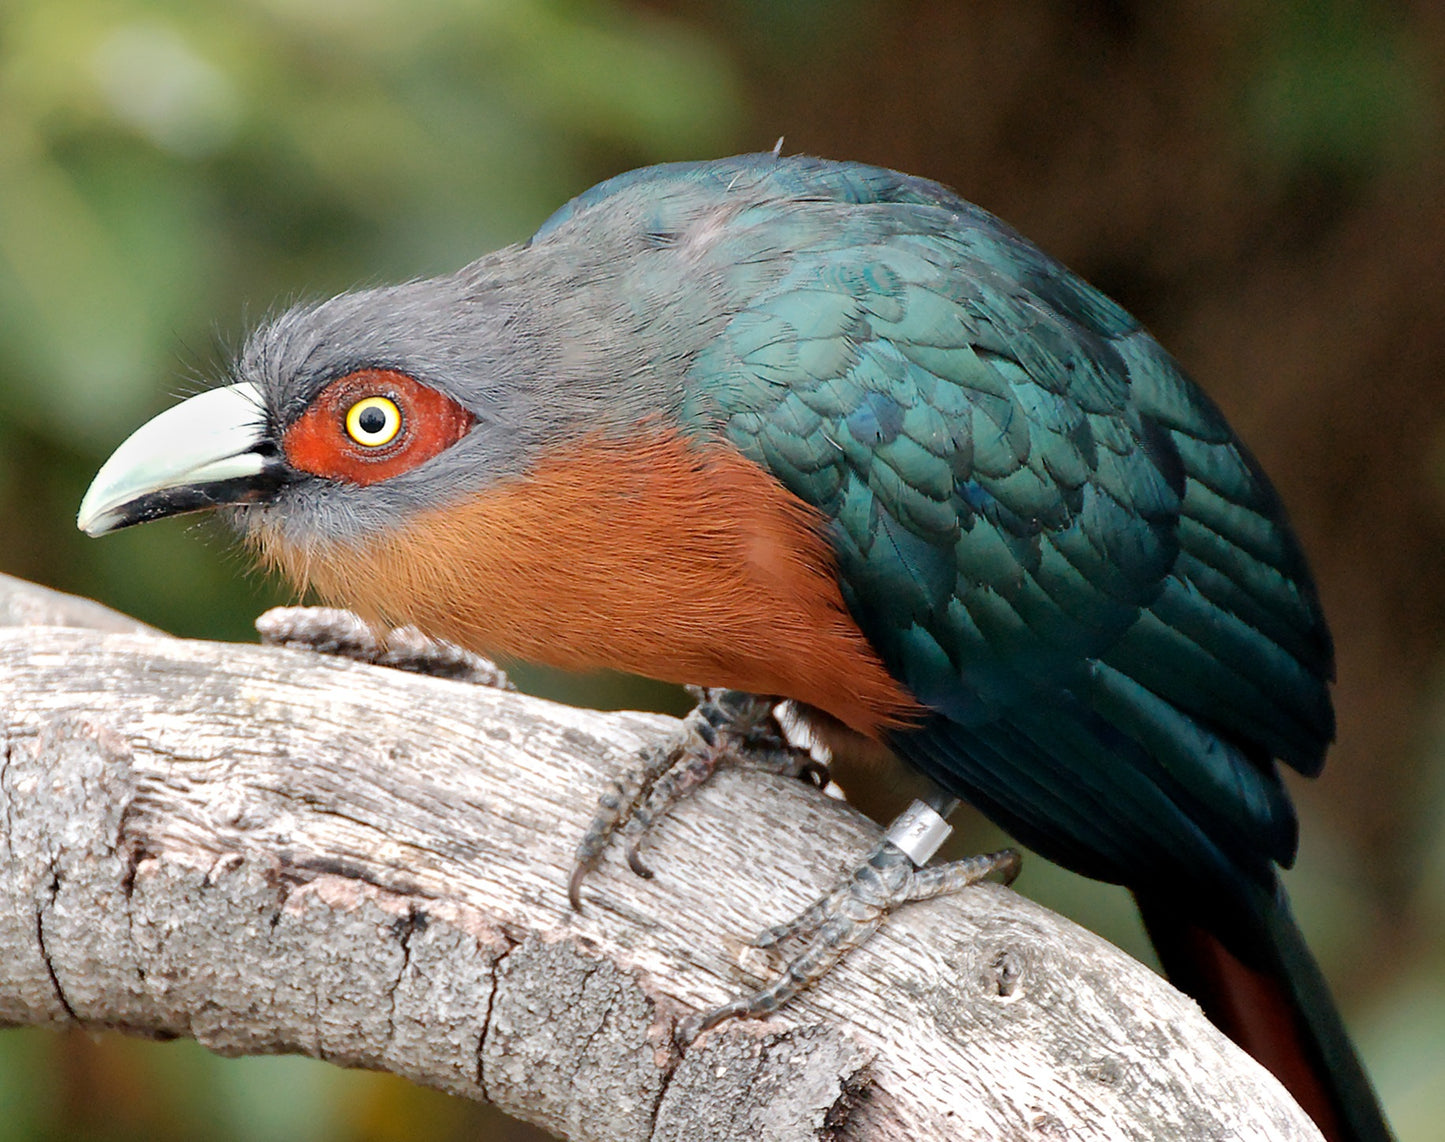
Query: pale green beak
x: 206, y: 451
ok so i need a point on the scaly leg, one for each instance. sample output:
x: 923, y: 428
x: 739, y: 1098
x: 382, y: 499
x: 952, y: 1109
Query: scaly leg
x: 329, y: 630
x: 845, y: 917
x: 727, y: 727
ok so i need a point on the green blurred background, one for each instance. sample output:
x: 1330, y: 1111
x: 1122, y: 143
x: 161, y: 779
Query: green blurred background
x: 1260, y: 181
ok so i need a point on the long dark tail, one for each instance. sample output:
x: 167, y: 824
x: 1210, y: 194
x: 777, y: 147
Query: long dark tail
x: 1279, y: 1009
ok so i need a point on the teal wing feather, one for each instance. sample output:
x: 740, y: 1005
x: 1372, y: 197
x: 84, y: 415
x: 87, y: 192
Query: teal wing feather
x: 1045, y: 530
x: 1049, y: 534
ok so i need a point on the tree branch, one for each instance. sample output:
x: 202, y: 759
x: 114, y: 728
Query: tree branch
x: 269, y: 850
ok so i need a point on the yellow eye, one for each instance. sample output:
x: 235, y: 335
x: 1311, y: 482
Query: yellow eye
x: 373, y: 422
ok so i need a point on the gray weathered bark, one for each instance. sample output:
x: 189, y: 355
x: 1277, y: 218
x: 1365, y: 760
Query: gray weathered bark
x: 270, y: 850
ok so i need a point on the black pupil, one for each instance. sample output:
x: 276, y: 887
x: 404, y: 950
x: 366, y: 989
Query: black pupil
x: 371, y: 421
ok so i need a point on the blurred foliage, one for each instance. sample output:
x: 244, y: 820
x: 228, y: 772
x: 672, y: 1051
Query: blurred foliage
x: 164, y: 167
x: 167, y: 169
x: 1256, y: 178
x: 1340, y: 88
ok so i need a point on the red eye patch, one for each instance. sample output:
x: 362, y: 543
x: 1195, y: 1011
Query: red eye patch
x: 330, y: 439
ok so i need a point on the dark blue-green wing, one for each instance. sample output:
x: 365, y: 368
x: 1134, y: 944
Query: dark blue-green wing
x: 1048, y: 533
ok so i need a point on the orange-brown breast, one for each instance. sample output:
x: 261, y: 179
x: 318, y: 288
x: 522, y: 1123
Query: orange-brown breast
x: 654, y: 556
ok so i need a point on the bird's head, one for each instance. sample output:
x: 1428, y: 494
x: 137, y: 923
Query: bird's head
x: 347, y: 418
x: 344, y: 418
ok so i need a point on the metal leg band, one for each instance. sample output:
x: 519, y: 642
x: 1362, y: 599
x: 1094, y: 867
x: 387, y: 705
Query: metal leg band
x: 919, y: 831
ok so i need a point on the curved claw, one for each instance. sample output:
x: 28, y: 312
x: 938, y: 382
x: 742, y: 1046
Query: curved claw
x: 816, y: 773
x: 574, y: 885
x: 687, y: 1030
x: 634, y: 860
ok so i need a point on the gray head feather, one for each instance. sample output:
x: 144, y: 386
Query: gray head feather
x: 591, y: 326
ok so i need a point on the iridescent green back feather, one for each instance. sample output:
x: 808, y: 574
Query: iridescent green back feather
x: 1045, y: 529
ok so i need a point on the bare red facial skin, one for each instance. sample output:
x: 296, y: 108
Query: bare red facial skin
x: 318, y: 442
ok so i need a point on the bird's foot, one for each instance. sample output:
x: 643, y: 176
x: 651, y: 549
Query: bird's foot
x: 727, y: 727
x: 329, y: 630
x: 843, y: 919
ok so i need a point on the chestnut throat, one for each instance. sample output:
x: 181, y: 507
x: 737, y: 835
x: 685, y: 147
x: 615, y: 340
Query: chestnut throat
x: 656, y: 556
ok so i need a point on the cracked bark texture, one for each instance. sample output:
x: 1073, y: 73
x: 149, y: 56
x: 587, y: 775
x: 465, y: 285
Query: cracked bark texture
x: 269, y: 850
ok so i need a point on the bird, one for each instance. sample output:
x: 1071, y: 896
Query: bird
x: 823, y: 433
